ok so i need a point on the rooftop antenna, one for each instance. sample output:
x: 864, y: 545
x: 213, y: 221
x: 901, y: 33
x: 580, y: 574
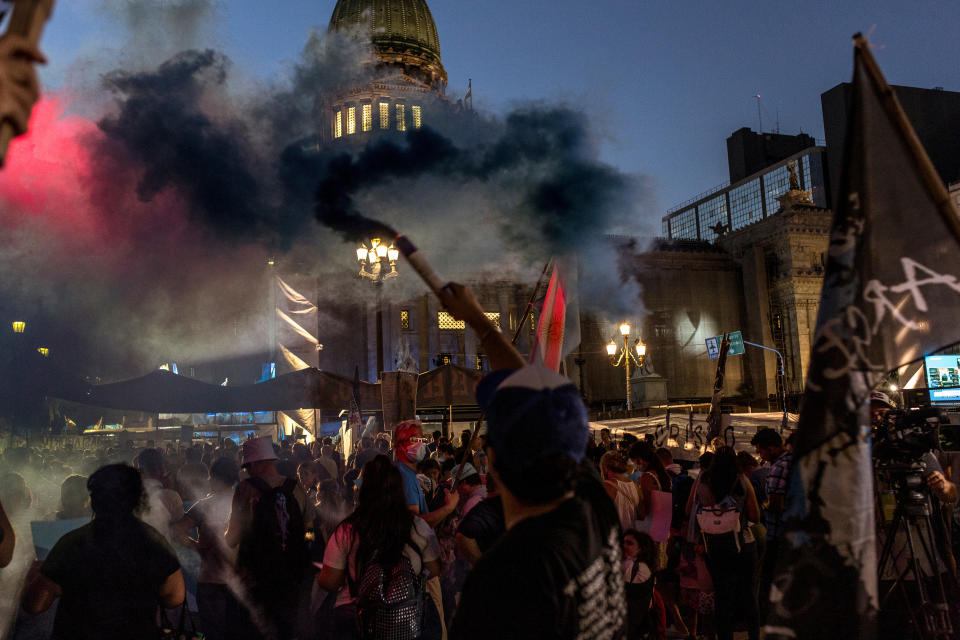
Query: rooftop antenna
x: 759, y: 117
x: 778, y: 120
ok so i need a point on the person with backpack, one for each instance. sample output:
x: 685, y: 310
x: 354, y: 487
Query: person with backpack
x: 646, y: 613
x: 378, y: 560
x: 724, y: 505
x: 267, y: 527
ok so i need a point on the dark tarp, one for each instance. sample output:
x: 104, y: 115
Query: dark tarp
x: 164, y: 392
x: 448, y: 385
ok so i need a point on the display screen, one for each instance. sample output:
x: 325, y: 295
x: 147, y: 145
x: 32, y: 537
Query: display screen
x: 943, y: 372
x: 951, y: 396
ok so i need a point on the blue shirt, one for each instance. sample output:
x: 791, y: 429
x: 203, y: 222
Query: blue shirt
x: 412, y: 488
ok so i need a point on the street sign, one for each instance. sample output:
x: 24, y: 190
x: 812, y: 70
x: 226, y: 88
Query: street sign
x: 713, y: 347
x: 736, y: 345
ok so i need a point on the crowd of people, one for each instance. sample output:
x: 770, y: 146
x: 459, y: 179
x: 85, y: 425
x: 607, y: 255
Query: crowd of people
x: 183, y: 517
x: 531, y: 529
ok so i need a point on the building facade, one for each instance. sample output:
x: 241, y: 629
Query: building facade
x: 746, y: 257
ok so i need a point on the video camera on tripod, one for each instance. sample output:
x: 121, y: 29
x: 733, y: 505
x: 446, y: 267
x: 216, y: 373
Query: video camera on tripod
x: 902, y: 453
x: 900, y: 443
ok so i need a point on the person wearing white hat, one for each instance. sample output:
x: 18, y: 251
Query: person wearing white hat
x: 276, y: 596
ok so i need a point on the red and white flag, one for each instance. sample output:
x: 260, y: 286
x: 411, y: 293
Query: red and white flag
x: 558, y: 330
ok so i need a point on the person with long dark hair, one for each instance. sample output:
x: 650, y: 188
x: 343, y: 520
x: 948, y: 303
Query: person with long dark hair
x: 111, y: 574
x: 653, y: 477
x: 381, y: 529
x: 731, y: 557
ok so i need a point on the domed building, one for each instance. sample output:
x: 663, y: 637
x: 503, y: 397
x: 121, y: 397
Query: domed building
x: 408, y: 74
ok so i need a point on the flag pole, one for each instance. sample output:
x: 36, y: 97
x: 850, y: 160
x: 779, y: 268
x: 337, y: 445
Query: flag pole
x: 516, y: 337
x: 891, y: 104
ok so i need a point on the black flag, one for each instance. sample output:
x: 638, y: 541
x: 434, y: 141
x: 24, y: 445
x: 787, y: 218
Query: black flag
x: 890, y: 295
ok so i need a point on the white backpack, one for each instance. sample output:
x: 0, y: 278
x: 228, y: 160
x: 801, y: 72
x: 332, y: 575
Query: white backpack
x: 722, y: 518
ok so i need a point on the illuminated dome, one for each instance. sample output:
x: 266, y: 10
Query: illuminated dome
x: 393, y: 24
x: 407, y: 79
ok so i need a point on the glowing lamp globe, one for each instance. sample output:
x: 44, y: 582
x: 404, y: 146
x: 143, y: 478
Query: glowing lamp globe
x: 362, y: 253
x: 19, y: 326
x: 641, y: 348
x: 382, y: 251
x: 625, y: 329
x: 612, y: 348
x: 44, y: 351
x: 393, y: 254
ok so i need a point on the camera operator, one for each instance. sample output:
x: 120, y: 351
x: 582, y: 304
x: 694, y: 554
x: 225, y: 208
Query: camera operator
x: 944, y: 490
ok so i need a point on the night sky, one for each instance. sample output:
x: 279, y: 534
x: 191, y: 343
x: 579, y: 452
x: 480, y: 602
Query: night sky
x: 163, y: 168
x: 666, y: 83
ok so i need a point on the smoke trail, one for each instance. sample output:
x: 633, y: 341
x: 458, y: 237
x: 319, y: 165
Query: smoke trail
x: 143, y: 237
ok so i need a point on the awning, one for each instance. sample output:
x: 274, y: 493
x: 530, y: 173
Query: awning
x: 164, y: 392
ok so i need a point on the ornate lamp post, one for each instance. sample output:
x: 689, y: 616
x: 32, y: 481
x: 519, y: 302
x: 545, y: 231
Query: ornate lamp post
x: 626, y: 355
x: 375, y: 261
x: 378, y: 263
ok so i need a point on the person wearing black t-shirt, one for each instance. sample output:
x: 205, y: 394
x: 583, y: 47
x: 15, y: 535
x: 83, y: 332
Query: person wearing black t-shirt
x: 556, y: 572
x: 111, y: 574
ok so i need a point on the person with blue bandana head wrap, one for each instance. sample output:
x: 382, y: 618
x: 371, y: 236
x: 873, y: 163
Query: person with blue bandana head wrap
x: 556, y: 573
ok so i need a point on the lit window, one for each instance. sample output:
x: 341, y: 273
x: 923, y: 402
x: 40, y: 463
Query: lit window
x: 384, y: 115
x: 416, y: 116
x: 367, y: 117
x: 351, y: 120
x: 338, y: 125
x: 404, y: 319
x: 401, y: 119
x: 493, y: 317
x: 447, y: 321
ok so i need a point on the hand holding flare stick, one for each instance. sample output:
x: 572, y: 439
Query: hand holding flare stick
x: 456, y: 298
x: 18, y: 78
x: 462, y: 304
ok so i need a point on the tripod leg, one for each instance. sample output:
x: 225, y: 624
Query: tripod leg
x: 939, y: 608
x: 928, y: 627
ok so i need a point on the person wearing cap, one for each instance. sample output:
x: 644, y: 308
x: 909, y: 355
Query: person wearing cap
x: 880, y: 406
x: 259, y: 460
x: 556, y: 571
x: 410, y: 447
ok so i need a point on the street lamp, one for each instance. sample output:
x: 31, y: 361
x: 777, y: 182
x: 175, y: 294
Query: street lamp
x: 378, y: 263
x: 626, y: 355
x: 377, y: 259
x: 19, y: 326
x: 44, y: 351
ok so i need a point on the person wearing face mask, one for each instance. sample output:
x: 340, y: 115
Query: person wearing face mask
x: 410, y: 447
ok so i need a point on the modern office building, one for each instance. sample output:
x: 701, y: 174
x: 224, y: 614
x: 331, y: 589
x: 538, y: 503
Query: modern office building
x: 745, y: 202
x: 934, y: 114
x: 749, y: 152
